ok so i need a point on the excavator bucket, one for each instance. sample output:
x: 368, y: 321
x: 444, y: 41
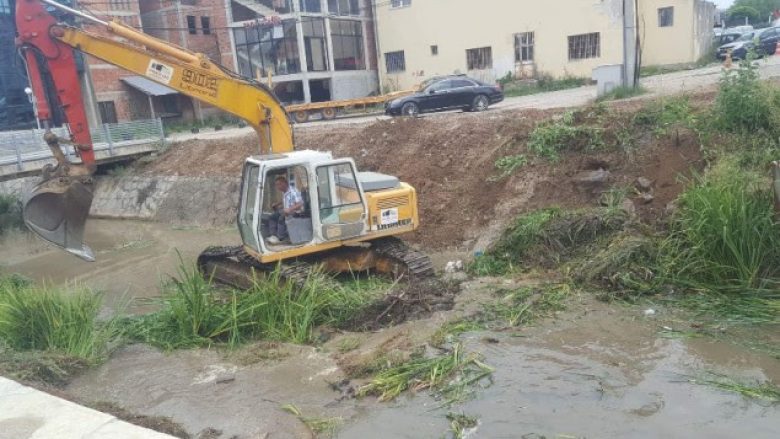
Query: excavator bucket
x: 57, y: 211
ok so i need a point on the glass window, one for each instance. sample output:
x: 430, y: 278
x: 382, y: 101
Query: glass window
x: 205, y: 24
x: 107, y: 112
x: 434, y: 50
x: 480, y: 58
x: 347, y: 38
x: 311, y: 6
x: 5, y: 7
x: 315, y: 44
x: 585, y: 46
x: 524, y: 47
x: 460, y: 83
x: 666, y: 17
x: 271, y: 48
x: 400, y: 3
x: 344, y: 7
x: 395, y: 61
x: 443, y: 85
x: 191, y: 26
x: 338, y: 192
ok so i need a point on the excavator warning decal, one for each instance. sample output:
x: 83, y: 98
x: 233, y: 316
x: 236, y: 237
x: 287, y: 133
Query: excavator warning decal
x: 389, y: 216
x: 159, y: 72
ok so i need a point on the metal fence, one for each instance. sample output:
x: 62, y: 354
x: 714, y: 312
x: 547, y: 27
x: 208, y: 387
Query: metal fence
x: 22, y: 146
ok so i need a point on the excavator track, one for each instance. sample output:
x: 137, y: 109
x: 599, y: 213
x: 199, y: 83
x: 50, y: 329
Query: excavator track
x: 389, y: 256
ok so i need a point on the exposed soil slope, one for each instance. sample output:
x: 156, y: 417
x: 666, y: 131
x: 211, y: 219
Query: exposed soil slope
x: 450, y: 159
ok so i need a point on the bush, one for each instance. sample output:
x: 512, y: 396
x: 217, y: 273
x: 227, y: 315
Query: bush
x: 10, y: 213
x: 744, y: 104
x: 549, y: 139
x: 47, y: 319
x: 723, y: 236
x: 664, y: 114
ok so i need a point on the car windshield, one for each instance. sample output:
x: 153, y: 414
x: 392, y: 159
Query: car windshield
x: 746, y: 37
x: 427, y: 82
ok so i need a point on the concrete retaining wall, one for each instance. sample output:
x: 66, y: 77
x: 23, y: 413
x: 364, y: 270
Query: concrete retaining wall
x: 177, y: 200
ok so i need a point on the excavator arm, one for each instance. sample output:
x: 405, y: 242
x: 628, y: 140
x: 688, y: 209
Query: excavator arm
x: 58, y: 206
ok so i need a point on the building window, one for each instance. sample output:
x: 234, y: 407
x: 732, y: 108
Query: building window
x: 347, y: 39
x: 268, y: 49
x: 480, y: 58
x: 311, y: 6
x: 585, y: 46
x: 107, y: 112
x: 395, y: 61
x: 524, y: 47
x: 344, y: 7
x: 5, y: 7
x: 278, y: 6
x: 434, y: 50
x: 666, y: 17
x: 205, y: 24
x: 119, y: 5
x: 315, y: 44
x: 400, y: 3
x: 191, y: 27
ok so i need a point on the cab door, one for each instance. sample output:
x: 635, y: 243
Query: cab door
x: 248, y: 212
x: 341, y: 205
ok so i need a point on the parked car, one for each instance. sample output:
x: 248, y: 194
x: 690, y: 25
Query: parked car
x: 739, y: 48
x: 767, y: 41
x: 447, y: 93
x: 722, y: 39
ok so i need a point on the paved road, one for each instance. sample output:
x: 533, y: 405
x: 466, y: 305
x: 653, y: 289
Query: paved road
x: 666, y: 84
x: 26, y: 413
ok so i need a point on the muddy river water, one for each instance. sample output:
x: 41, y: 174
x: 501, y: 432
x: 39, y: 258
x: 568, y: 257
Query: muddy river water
x: 596, y: 370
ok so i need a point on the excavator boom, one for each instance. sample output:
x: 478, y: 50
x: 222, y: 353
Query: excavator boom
x: 57, y: 208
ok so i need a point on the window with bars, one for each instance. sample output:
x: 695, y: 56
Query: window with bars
x: 524, y: 47
x: 585, y: 46
x: 666, y: 17
x: 395, y: 61
x: 192, y: 28
x: 205, y: 24
x: 347, y: 39
x: 119, y: 5
x: 480, y: 58
x: 400, y: 3
x: 344, y: 7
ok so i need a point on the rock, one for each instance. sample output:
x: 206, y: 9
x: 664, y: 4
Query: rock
x: 458, y: 276
x: 628, y: 207
x: 643, y: 184
x: 646, y: 198
x: 453, y: 266
x: 649, y: 312
x: 592, y: 178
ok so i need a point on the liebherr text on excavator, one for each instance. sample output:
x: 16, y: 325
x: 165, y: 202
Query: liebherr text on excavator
x: 347, y: 220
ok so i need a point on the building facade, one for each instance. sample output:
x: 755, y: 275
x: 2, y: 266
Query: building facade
x: 524, y: 39
x: 16, y: 110
x: 309, y: 50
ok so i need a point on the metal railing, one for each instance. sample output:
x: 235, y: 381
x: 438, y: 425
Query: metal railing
x: 23, y: 146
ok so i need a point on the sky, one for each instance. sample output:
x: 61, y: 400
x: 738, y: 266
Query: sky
x: 723, y: 4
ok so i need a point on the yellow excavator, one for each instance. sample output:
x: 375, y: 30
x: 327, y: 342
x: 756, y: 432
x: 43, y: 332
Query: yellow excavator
x: 343, y: 220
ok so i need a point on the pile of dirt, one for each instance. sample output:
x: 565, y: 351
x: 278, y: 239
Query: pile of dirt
x: 408, y: 301
x: 450, y: 160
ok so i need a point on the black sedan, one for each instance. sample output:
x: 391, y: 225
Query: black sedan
x: 447, y: 93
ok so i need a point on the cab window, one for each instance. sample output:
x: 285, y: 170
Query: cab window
x: 339, y: 196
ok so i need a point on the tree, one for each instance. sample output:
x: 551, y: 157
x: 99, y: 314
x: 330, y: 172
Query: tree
x: 761, y: 10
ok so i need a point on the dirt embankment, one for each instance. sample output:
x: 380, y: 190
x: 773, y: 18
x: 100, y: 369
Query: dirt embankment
x: 450, y: 159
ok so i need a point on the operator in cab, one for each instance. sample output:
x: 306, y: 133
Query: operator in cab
x: 290, y: 206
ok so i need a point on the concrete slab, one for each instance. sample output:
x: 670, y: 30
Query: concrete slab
x: 26, y: 413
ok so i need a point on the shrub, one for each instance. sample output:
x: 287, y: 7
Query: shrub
x: 744, y: 104
x: 663, y: 114
x: 48, y: 319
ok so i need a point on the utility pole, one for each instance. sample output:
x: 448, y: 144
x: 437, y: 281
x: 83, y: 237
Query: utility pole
x: 629, y: 43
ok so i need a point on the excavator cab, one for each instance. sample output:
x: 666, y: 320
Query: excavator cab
x: 334, y: 204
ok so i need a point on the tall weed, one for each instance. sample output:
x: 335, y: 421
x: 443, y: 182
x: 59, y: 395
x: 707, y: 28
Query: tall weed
x: 744, y: 104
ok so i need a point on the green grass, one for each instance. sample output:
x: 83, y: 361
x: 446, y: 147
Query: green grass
x: 622, y: 92
x: 761, y: 391
x: 43, y: 318
x: 195, y: 313
x: 663, y: 114
x: 508, y: 165
x: 10, y: 214
x: 451, y: 330
x: 549, y: 139
x: 544, y: 84
x: 450, y: 374
x: 745, y: 104
x: 525, y: 305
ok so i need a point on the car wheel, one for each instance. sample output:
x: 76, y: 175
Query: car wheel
x: 410, y: 109
x: 480, y: 103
